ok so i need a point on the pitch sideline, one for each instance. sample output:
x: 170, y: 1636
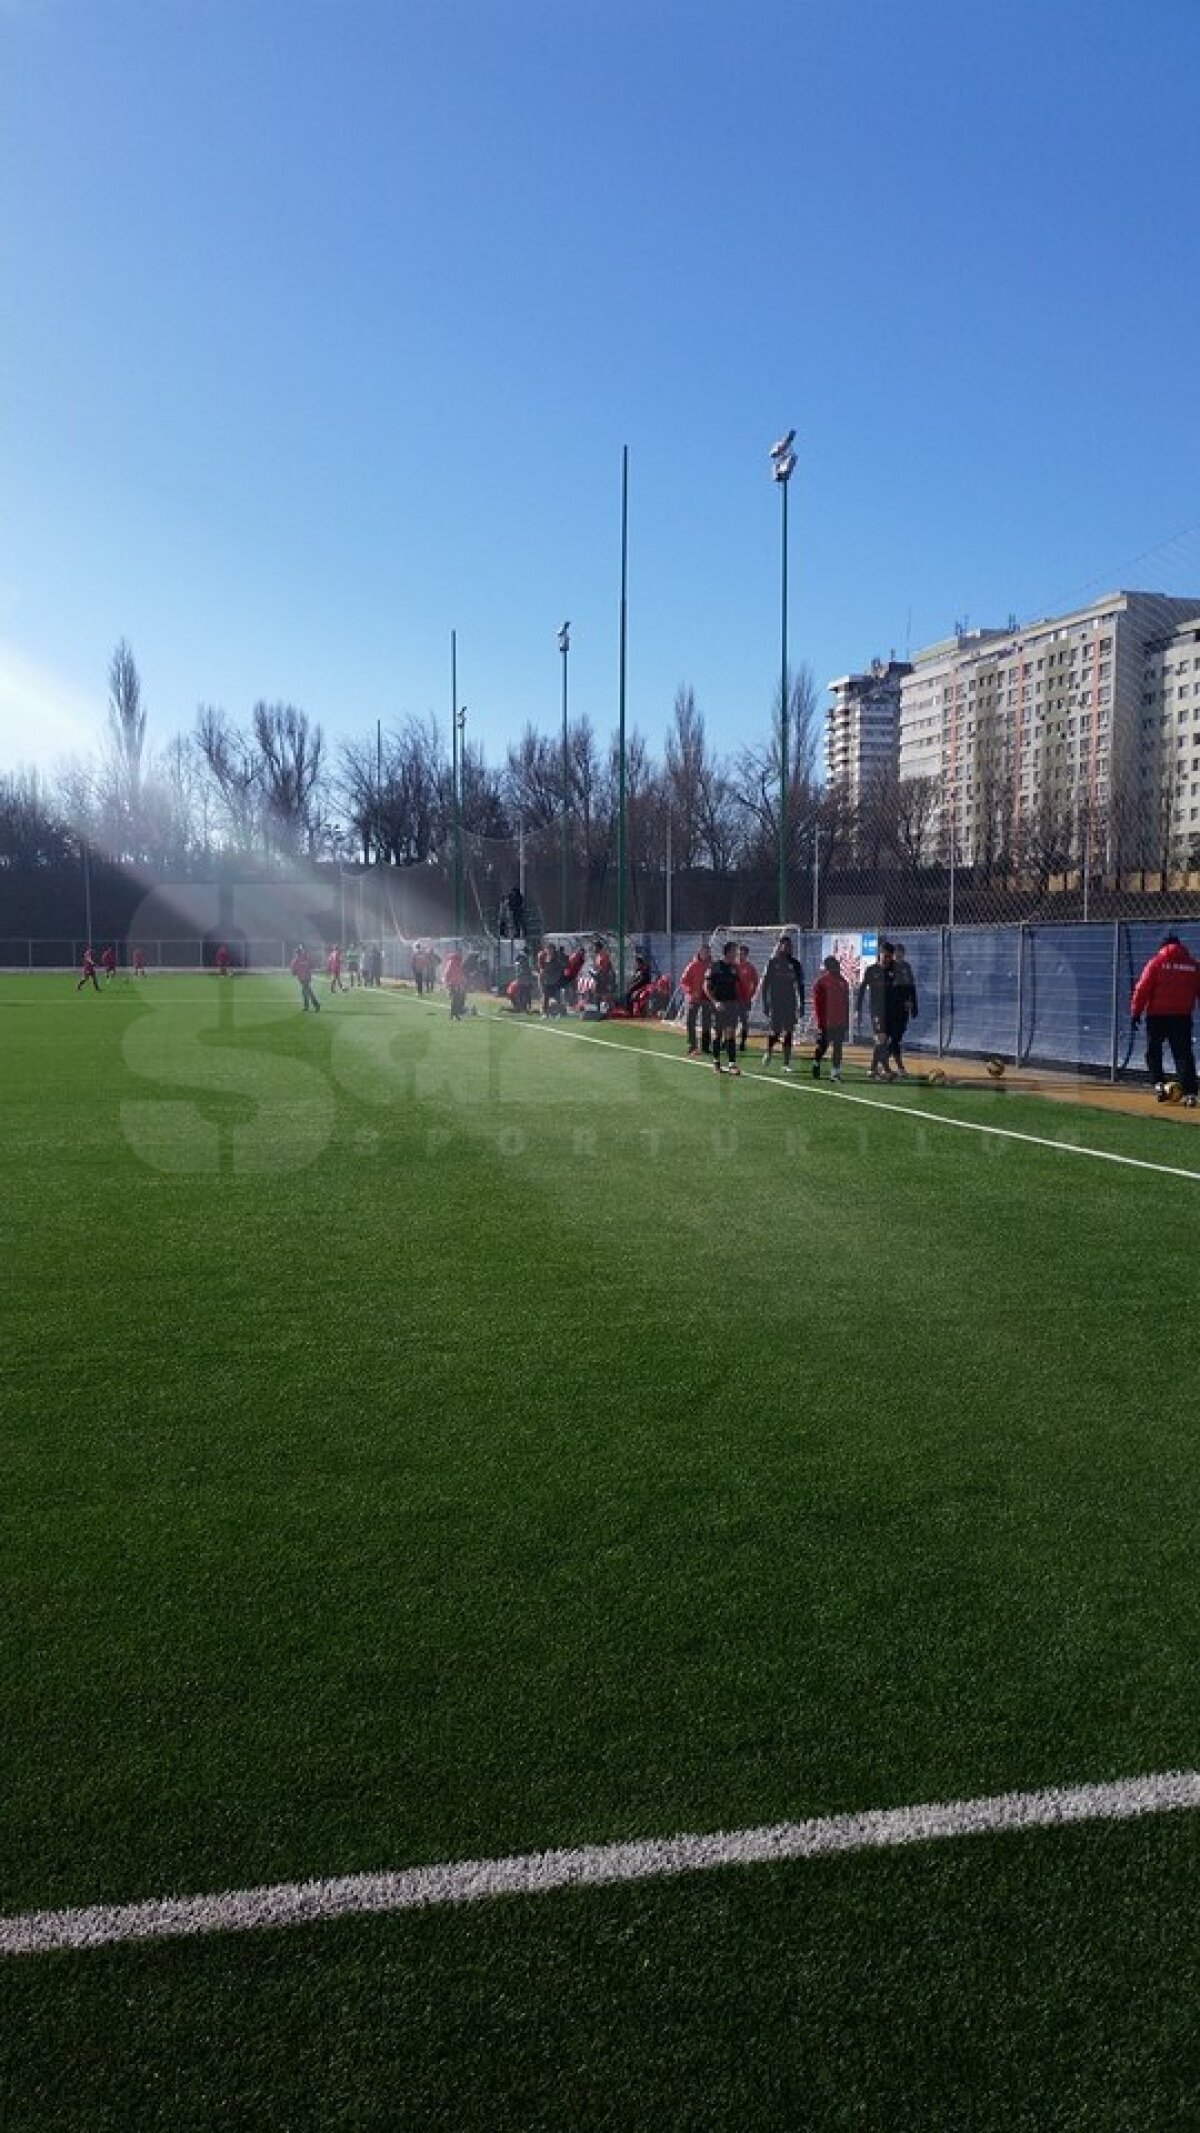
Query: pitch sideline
x: 805, y: 1086
x: 298, y: 1903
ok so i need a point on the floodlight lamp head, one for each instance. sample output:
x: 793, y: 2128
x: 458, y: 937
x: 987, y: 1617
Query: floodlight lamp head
x: 784, y: 446
x: 564, y: 638
x: 782, y: 469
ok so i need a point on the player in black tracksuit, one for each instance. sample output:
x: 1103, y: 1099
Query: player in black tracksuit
x: 721, y: 987
x: 783, y: 1000
x: 880, y: 989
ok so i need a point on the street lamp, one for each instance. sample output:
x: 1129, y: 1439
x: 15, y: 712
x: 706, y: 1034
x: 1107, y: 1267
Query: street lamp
x: 564, y: 646
x: 783, y: 461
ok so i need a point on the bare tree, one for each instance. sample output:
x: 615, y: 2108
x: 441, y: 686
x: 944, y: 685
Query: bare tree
x: 484, y: 807
x: 698, y: 794
x: 184, y: 799
x: 684, y: 776
x: 290, y: 749
x: 916, y: 805
x: 32, y: 834
x: 118, y: 779
x: 533, y: 779
x: 757, y: 779
x: 126, y: 721
x: 1047, y: 835
x: 233, y: 771
x: 875, y: 819
x: 396, y: 796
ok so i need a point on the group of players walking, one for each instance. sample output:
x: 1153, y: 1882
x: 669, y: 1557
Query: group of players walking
x: 719, y: 993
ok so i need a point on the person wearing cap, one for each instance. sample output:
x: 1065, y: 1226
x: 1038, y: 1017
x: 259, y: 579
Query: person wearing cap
x: 782, y: 999
x: 1166, y: 994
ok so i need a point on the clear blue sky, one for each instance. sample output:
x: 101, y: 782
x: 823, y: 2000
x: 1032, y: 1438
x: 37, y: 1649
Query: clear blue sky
x: 325, y: 322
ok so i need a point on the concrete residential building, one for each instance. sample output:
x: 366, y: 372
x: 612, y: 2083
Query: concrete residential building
x: 1170, y: 740
x: 862, y: 726
x: 1036, y: 736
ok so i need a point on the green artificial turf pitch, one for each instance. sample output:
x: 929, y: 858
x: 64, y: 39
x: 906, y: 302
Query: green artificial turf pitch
x: 427, y: 1442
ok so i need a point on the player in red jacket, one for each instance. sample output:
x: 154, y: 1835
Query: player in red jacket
x: 747, y: 977
x: 699, y: 1006
x: 570, y: 978
x: 831, y: 1007
x: 1166, y: 994
x: 333, y: 969
x: 302, y: 970
x: 108, y: 963
x: 454, y: 978
x: 139, y: 963
x: 88, y: 972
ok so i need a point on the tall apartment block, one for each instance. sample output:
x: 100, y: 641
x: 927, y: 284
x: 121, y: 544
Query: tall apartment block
x: 1058, y: 733
x: 862, y: 727
x: 1170, y: 736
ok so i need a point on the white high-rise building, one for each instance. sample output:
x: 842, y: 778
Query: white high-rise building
x: 862, y: 727
x: 1170, y: 740
x: 1049, y: 738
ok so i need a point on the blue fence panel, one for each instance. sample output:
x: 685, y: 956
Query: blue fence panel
x: 923, y: 952
x: 979, y: 994
x: 1067, y: 995
x: 975, y: 983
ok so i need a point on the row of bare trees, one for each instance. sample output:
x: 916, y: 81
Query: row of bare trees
x: 270, y: 787
x: 262, y: 787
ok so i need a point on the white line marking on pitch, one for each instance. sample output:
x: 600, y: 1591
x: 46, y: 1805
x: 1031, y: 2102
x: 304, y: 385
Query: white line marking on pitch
x: 804, y: 1087
x: 298, y: 1903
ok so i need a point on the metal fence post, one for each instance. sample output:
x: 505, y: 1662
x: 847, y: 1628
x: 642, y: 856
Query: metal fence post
x: 1021, y: 930
x: 1116, y: 979
x: 941, y: 985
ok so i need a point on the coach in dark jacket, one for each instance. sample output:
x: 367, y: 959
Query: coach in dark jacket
x: 783, y: 999
x: 892, y: 999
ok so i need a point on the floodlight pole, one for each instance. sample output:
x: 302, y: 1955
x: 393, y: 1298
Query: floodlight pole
x: 783, y: 461
x: 564, y: 646
x: 783, y: 718
x: 621, y: 728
